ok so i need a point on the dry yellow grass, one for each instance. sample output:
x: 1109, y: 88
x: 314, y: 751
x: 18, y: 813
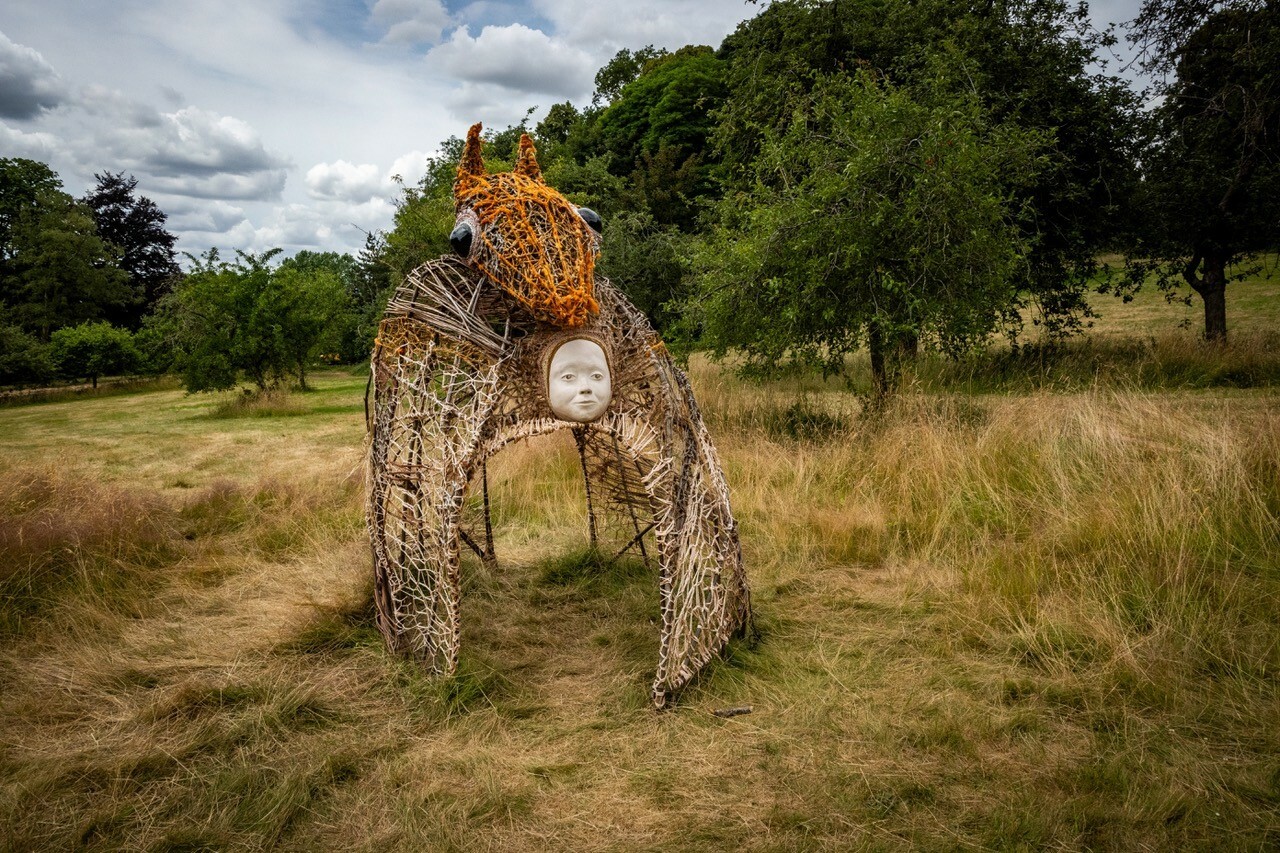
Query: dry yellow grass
x: 1043, y: 621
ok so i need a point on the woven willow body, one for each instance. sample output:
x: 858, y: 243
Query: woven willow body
x: 457, y: 375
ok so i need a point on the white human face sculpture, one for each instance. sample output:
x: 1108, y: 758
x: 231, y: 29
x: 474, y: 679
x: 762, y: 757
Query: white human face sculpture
x: 579, y: 387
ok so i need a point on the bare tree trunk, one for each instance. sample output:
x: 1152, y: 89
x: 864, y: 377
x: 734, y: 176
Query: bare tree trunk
x: 1212, y: 287
x: 880, y: 381
x: 1215, y: 312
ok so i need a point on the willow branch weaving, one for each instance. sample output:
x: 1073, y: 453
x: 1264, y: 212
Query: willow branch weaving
x: 459, y: 372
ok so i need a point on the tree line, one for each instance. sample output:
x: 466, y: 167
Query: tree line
x: 841, y: 174
x: 91, y: 287
x: 836, y: 174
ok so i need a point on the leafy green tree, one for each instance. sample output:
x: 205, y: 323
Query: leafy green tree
x: 876, y: 216
x: 589, y: 184
x: 1032, y: 64
x: 93, y: 349
x: 340, y: 265
x: 669, y: 104
x: 648, y: 262
x: 671, y: 187
x: 304, y: 311
x: 1162, y: 29
x: 345, y: 336
x: 209, y: 322
x: 653, y: 135
x: 368, y: 293
x: 23, y: 359
x: 54, y: 268
x: 22, y: 182
x: 1211, y: 195
x: 135, y: 226
x: 155, y: 343
x: 245, y: 318
x: 621, y: 70
x: 61, y: 273
x: 559, y: 122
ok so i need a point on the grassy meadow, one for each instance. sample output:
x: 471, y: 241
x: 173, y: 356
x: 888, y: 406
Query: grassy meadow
x: 1034, y: 605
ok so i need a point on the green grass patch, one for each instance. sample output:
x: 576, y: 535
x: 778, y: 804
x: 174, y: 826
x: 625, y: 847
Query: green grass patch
x: 591, y: 570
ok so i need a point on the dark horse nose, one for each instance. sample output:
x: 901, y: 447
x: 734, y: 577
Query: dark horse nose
x: 460, y: 238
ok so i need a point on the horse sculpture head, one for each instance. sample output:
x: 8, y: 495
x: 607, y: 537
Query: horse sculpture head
x: 525, y: 237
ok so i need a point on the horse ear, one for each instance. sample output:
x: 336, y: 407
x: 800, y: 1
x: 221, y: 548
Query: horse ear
x: 472, y: 164
x: 527, y: 161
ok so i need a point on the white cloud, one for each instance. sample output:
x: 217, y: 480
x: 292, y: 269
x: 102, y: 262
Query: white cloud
x: 604, y: 26
x: 343, y: 180
x: 172, y: 96
x: 517, y: 58
x: 201, y: 140
x: 34, y: 146
x: 294, y: 225
x: 327, y: 226
x: 357, y: 184
x: 117, y: 109
x: 411, y: 21
x: 259, y: 186
x: 208, y: 215
x: 372, y: 215
x: 28, y: 84
x: 194, y: 152
x: 487, y: 103
x: 410, y: 167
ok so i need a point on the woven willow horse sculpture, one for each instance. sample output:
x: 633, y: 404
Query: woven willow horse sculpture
x: 460, y: 370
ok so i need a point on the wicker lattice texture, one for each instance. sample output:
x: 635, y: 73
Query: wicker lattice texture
x: 530, y: 240
x: 457, y: 375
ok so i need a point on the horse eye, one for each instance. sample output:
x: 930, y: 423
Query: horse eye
x: 592, y: 218
x: 460, y: 238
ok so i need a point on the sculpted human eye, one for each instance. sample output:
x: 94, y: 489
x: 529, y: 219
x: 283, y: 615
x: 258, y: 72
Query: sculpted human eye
x: 568, y: 377
x: 597, y: 376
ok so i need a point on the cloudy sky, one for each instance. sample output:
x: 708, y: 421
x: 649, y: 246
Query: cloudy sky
x: 261, y: 123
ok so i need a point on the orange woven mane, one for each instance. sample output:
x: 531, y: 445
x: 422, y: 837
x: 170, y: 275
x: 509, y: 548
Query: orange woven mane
x: 528, y: 238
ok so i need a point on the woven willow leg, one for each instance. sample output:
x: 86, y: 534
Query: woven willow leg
x: 490, y: 556
x: 705, y: 598
x: 431, y: 402
x: 414, y: 519
x: 579, y: 440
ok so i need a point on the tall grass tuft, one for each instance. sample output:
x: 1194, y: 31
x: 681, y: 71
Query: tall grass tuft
x: 1179, y: 360
x: 272, y: 403
x: 61, y: 535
